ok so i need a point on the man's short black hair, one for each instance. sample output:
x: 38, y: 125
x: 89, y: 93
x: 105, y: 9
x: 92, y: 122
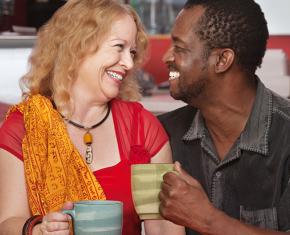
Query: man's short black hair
x: 236, y: 24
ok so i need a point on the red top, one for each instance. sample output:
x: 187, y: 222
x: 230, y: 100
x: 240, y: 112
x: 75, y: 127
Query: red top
x: 139, y: 135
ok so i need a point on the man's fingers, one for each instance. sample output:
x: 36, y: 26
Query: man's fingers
x: 184, y: 175
x: 177, y: 166
x: 171, y: 178
x: 165, y: 187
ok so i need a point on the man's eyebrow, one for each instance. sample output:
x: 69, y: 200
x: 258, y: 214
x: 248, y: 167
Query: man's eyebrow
x: 177, y: 39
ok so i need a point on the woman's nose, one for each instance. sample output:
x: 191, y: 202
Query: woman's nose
x: 127, y: 60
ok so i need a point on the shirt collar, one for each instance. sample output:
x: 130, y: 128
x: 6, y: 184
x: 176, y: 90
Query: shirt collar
x: 196, y: 129
x: 255, y: 135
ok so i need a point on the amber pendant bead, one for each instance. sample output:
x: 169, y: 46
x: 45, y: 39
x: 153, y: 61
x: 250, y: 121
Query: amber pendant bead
x: 88, y: 138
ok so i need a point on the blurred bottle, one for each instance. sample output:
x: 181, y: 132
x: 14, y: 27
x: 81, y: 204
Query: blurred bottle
x: 157, y: 15
x: 149, y: 12
x: 6, y: 14
x: 169, y: 15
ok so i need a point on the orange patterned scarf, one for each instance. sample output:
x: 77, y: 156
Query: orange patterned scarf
x: 55, y: 171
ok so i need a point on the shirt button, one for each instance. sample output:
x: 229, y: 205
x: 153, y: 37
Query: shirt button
x: 218, y: 174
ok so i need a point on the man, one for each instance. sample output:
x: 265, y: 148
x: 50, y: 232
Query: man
x: 233, y: 137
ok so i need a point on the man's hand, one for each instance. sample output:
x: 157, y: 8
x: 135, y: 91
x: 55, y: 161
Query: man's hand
x: 184, y: 202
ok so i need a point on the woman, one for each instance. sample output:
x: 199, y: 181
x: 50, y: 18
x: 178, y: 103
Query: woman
x: 74, y: 137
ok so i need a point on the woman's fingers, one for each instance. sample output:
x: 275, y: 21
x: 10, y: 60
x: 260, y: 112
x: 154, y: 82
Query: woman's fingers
x: 55, y: 222
x: 54, y: 226
x: 68, y: 206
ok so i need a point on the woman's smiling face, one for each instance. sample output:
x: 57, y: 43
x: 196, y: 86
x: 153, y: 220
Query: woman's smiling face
x: 101, y: 74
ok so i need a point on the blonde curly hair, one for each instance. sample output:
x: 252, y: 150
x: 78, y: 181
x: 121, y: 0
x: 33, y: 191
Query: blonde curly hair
x: 66, y: 39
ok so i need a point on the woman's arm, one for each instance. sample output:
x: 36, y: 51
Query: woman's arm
x: 161, y: 227
x: 164, y: 155
x: 14, y: 209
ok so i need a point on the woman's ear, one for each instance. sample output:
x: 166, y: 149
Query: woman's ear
x: 224, y: 60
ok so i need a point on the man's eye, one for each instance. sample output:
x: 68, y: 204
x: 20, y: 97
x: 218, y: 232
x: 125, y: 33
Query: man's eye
x: 178, y: 49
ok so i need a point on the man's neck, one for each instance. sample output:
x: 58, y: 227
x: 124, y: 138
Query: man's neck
x: 227, y: 114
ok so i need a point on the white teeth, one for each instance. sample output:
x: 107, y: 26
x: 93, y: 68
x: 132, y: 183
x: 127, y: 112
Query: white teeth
x: 115, y: 75
x: 173, y: 75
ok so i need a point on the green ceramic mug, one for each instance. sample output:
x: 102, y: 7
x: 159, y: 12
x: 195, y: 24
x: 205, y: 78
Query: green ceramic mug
x: 146, y: 182
x: 97, y: 217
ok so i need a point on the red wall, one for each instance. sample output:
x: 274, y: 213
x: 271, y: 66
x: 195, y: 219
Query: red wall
x: 159, y: 45
x: 280, y: 42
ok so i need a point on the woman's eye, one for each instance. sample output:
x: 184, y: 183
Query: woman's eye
x: 120, y: 46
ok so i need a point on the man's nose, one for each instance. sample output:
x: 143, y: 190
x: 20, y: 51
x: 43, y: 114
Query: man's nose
x: 168, y: 56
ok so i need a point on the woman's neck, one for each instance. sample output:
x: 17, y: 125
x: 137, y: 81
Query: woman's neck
x: 87, y: 109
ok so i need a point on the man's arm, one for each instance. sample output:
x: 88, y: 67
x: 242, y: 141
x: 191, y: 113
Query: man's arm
x: 184, y: 202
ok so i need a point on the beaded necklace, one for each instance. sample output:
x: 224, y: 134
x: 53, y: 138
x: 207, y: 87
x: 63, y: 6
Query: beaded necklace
x: 88, y: 138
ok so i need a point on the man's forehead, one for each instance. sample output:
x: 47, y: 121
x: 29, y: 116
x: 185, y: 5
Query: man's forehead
x: 189, y: 18
x: 185, y: 25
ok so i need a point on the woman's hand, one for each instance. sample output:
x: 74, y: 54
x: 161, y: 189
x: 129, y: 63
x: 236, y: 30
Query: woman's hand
x: 56, y: 223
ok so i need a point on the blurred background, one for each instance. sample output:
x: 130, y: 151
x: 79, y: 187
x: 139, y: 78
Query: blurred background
x: 157, y: 15
x: 20, y: 20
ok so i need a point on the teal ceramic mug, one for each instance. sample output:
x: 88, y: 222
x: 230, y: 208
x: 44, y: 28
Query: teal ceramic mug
x: 97, y: 217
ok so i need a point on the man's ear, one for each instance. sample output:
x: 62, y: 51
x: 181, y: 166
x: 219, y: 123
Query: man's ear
x: 224, y: 59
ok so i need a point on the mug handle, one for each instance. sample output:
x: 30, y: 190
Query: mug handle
x: 70, y: 213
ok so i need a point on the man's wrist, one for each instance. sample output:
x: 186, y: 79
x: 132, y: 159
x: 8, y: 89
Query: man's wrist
x: 215, y: 221
x: 222, y: 224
